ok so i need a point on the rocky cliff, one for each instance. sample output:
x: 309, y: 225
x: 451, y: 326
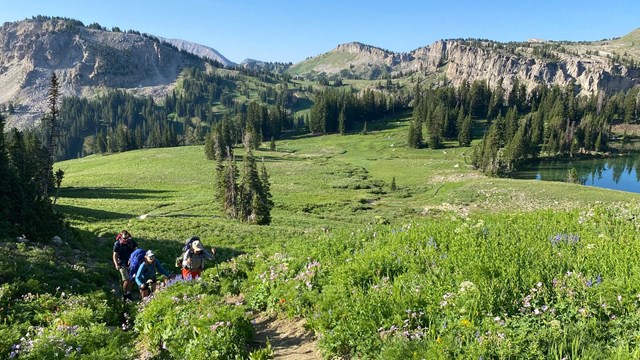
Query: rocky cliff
x: 86, y: 60
x: 200, y: 51
x: 592, y: 67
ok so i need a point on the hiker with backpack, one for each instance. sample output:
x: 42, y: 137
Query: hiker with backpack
x: 122, y: 250
x: 194, y: 257
x: 146, y: 273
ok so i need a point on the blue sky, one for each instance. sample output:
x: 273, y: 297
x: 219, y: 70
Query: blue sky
x: 290, y: 31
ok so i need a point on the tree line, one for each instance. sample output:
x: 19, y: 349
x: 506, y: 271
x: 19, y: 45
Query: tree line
x: 119, y: 121
x: 27, y: 177
x: 519, y: 126
x: 339, y: 111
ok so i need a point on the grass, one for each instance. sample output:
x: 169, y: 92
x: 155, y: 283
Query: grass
x: 343, y: 251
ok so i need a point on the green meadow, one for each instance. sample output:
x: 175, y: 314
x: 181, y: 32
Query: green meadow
x: 450, y: 264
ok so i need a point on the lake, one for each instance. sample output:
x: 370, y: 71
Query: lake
x: 619, y: 173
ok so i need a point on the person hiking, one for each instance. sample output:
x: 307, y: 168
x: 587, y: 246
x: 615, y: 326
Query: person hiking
x: 122, y: 249
x: 146, y: 275
x: 193, y: 260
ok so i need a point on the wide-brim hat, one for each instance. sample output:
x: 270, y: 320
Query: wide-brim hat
x: 197, y: 246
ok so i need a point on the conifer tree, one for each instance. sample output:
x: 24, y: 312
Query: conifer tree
x: 250, y: 189
x: 53, y: 132
x: 266, y: 203
x: 414, y: 137
x: 393, y: 186
x: 231, y: 204
x: 464, y: 136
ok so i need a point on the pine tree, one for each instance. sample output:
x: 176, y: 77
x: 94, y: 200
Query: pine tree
x: 209, y: 146
x: 250, y: 189
x: 414, y: 137
x: 464, y: 136
x: 231, y: 204
x: 6, y: 184
x: 52, y: 129
x: 393, y: 186
x: 266, y: 203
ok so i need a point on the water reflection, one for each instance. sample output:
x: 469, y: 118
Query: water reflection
x: 619, y: 173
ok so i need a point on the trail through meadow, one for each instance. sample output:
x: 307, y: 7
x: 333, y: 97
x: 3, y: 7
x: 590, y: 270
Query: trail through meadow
x: 288, y: 338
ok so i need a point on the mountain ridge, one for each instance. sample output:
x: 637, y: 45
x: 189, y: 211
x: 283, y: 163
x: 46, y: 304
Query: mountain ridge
x: 591, y: 66
x: 90, y: 60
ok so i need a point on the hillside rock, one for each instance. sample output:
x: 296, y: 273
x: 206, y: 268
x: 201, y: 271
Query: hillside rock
x: 202, y: 51
x: 460, y: 60
x: 86, y: 60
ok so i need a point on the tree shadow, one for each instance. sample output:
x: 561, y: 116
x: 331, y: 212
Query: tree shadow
x: 89, y: 214
x: 108, y: 193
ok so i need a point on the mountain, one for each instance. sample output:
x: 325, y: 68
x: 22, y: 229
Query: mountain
x: 608, y: 66
x: 199, y: 50
x: 90, y: 60
x: 87, y: 60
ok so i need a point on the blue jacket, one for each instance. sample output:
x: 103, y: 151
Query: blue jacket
x: 148, y: 272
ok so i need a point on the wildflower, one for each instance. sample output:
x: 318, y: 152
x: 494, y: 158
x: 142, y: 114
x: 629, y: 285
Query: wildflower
x: 582, y: 311
x: 619, y: 298
x: 465, y: 323
x: 466, y: 286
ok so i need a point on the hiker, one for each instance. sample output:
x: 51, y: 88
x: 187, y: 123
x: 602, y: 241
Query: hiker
x: 122, y: 250
x: 146, y: 275
x: 193, y: 260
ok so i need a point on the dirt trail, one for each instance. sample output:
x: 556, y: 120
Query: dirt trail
x: 289, y: 339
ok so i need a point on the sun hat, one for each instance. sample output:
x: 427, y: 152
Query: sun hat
x: 150, y: 254
x: 197, y: 246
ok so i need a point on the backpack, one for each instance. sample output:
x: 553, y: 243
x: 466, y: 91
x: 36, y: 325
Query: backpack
x: 137, y: 258
x: 187, y: 247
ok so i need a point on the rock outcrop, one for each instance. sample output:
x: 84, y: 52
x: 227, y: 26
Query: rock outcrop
x: 86, y: 60
x: 460, y: 60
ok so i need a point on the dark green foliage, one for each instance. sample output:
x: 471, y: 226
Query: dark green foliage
x: 415, y: 135
x: 231, y: 200
x: 464, y: 136
x: 393, y: 186
x: 119, y: 121
x: 25, y: 210
x: 555, y: 123
x: 335, y: 110
x: 250, y: 200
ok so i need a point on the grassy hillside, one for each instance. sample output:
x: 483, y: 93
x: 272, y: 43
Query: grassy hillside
x: 329, y: 60
x: 451, y: 264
